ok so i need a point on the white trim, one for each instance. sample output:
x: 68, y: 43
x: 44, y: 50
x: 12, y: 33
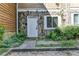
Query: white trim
x: 45, y: 21
x: 73, y: 8
x: 72, y: 18
x: 38, y: 9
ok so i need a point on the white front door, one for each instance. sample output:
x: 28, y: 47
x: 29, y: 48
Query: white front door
x: 32, y: 30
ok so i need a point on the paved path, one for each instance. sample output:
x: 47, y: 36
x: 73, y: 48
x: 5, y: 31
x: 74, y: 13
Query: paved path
x: 28, y: 44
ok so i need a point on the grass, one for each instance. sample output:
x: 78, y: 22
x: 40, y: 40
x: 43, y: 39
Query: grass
x: 68, y: 43
x: 3, y: 50
x: 44, y: 45
x: 62, y: 44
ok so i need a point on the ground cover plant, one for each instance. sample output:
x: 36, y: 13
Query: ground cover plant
x: 13, y: 41
x: 66, y: 35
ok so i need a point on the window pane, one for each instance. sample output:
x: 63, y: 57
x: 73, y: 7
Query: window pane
x: 76, y: 18
x: 49, y: 22
x: 55, y: 21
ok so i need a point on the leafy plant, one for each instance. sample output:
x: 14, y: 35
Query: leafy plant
x: 19, y: 37
x: 56, y: 35
x: 65, y: 33
x: 71, y: 32
x: 2, y: 29
x: 58, y: 31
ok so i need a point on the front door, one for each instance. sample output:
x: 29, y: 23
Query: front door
x: 32, y: 30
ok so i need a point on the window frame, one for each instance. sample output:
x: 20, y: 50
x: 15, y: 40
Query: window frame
x: 45, y: 21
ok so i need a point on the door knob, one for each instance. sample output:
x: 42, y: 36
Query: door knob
x: 36, y: 27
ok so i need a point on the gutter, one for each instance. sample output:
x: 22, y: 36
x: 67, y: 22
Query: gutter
x: 17, y: 18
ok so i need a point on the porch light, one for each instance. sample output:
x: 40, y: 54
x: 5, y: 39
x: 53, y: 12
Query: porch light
x: 57, y: 4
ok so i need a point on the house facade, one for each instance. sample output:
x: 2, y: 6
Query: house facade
x: 38, y: 19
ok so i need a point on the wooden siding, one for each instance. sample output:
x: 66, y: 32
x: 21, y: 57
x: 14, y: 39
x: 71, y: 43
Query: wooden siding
x: 8, y: 16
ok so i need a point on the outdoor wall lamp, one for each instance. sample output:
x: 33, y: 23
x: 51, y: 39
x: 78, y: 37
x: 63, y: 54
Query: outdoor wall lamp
x: 57, y: 4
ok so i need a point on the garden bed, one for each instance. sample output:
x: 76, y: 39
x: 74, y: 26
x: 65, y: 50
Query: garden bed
x: 65, y: 37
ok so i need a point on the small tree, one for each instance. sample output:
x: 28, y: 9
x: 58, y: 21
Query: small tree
x: 1, y: 32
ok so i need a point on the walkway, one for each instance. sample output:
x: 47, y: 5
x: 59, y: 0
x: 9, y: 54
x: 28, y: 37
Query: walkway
x: 28, y: 44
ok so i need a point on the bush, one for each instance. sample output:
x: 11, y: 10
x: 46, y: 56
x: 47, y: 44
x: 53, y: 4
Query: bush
x: 56, y: 35
x: 1, y: 32
x: 68, y: 43
x: 20, y: 37
x: 71, y: 32
x: 58, y: 31
x: 66, y: 33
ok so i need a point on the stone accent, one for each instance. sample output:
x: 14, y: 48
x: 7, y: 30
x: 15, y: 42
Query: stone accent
x: 23, y: 21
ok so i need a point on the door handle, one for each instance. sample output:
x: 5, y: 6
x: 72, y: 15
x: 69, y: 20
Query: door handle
x: 36, y: 27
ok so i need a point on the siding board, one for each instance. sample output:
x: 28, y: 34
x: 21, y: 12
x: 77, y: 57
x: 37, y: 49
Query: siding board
x: 8, y: 16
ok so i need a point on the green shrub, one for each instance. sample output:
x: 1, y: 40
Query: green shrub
x: 58, y: 31
x: 48, y: 36
x: 19, y: 37
x: 1, y: 32
x: 68, y: 43
x: 56, y: 35
x: 71, y: 32
x: 66, y: 33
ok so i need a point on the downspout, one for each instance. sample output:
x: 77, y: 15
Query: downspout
x: 17, y: 18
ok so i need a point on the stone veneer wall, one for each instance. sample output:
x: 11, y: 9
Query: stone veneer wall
x: 23, y: 21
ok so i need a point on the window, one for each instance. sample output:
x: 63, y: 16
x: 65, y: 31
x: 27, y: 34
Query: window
x: 75, y: 18
x: 55, y: 21
x: 51, y: 22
